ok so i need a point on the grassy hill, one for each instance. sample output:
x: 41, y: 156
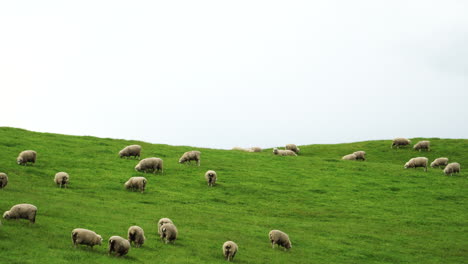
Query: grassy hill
x: 334, y: 211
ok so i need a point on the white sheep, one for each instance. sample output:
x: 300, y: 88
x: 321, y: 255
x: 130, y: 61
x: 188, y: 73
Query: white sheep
x: 349, y: 157
x: 229, y: 250
x: 452, y: 168
x: 286, y: 152
x: 3, y: 180
x: 136, y: 183
x: 417, y: 162
x: 62, y: 179
x: 211, y: 177
x: 189, y: 156
x: 400, y: 142
x: 136, y: 235
x: 119, y: 245
x: 279, y: 238
x: 241, y: 149
x: 293, y: 148
x: 169, y: 232
x: 360, y: 155
x: 255, y: 149
x: 150, y: 165
x: 26, y: 156
x: 131, y: 151
x: 161, y: 222
x: 426, y: 145
x: 439, y: 162
x: 22, y: 211
x: 81, y: 236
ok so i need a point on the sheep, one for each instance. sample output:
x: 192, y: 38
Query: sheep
x: 22, y: 211
x: 150, y: 164
x: 426, y: 145
x: 131, y: 151
x: 293, y: 148
x: 3, y: 180
x: 255, y: 149
x: 280, y: 238
x: 349, y: 157
x: 138, y: 183
x: 62, y: 179
x: 136, y: 235
x: 229, y: 250
x: 452, y: 168
x: 417, y: 162
x: 439, y: 162
x: 81, y: 236
x: 400, y: 142
x: 189, y: 156
x: 119, y: 245
x: 211, y: 177
x: 169, y: 232
x: 360, y: 155
x: 26, y: 156
x: 161, y: 222
x: 286, y: 152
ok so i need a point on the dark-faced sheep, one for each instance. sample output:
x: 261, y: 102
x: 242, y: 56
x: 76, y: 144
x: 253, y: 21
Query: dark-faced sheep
x: 119, y: 245
x: 150, y: 165
x: 229, y: 250
x: 3, y: 180
x: 22, y: 211
x: 279, y: 238
x: 26, y: 156
x: 81, y: 236
x: 211, y: 177
x: 136, y: 183
x: 169, y: 232
x: 452, y: 168
x: 293, y: 148
x: 426, y: 145
x: 62, y: 179
x: 417, y: 162
x: 136, y: 235
x: 131, y: 151
x: 397, y: 142
x: 280, y: 152
x: 189, y: 156
x: 439, y: 162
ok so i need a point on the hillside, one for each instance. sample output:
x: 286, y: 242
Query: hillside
x: 334, y: 211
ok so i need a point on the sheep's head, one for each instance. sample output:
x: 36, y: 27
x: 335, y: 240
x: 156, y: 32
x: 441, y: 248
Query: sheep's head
x: 99, y: 239
x: 407, y: 165
x: 138, y: 167
x: 19, y: 160
x: 121, y: 153
x: 288, y: 245
x: 275, y: 151
x: 181, y: 160
x: 6, y: 215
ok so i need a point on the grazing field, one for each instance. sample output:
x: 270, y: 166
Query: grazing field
x: 334, y: 211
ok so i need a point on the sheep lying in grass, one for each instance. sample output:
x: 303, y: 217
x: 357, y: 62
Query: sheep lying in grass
x: 189, y: 156
x: 279, y: 238
x: 397, y: 142
x: 252, y: 149
x: 439, y: 162
x: 211, y: 177
x: 81, y: 236
x: 426, y: 145
x: 360, y: 155
x: 150, y: 165
x: 229, y: 250
x: 169, y: 232
x: 22, y: 211
x: 255, y: 149
x: 417, y: 162
x: 26, y: 156
x: 452, y: 168
x: 3, y: 180
x: 136, y: 183
x: 136, y: 235
x: 62, y: 179
x: 293, y: 148
x: 349, y: 157
x: 131, y: 151
x: 161, y: 222
x: 286, y: 152
x: 119, y: 245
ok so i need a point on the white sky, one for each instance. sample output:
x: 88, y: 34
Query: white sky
x: 236, y: 73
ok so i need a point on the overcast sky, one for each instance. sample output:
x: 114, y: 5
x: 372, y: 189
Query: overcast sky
x: 236, y: 73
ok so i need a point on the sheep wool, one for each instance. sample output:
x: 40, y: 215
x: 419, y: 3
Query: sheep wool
x: 423, y: 145
x: 189, y: 156
x: 26, y: 156
x: 280, y: 152
x: 293, y: 148
x: 150, y: 165
x: 131, y: 151
x: 118, y: 245
x: 211, y: 177
x: 397, y: 142
x: 81, y: 236
x: 417, y: 162
x: 439, y: 162
x: 136, y: 183
x: 62, y: 179
x: 136, y: 235
x: 169, y: 232
x: 279, y: 238
x: 229, y: 250
x: 452, y: 168
x: 22, y: 211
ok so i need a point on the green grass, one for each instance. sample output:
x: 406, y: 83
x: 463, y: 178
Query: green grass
x: 334, y: 211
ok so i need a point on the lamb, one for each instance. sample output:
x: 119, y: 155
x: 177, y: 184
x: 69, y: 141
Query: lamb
x: 360, y: 155
x: 81, y: 236
x: 22, y: 211
x: 189, y: 156
x: 286, y: 152
x: 426, y: 145
x: 136, y: 235
x: 161, y: 222
x: 26, y: 156
x: 119, y: 245
x: 417, y: 162
x: 349, y: 157
x: 400, y: 142
x: 293, y: 148
x: 439, y: 162
x: 138, y: 183
x: 62, y: 179
x: 169, y: 232
x: 280, y: 238
x: 131, y: 151
x: 3, y: 180
x: 150, y: 164
x: 452, y: 168
x: 229, y: 250
x: 211, y: 177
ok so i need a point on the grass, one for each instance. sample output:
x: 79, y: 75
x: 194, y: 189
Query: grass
x: 334, y: 211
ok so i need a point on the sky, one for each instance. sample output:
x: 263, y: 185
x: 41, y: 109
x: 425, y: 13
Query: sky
x: 221, y: 74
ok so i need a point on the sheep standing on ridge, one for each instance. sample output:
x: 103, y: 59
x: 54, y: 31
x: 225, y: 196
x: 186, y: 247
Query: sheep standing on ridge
x: 119, y: 245
x: 279, y: 238
x: 280, y: 152
x: 189, y: 156
x: 3, y: 180
x: 293, y: 148
x: 62, y: 179
x: 169, y: 232
x: 397, y: 142
x: 150, y: 165
x: 136, y: 183
x: 81, y: 236
x: 452, y: 168
x: 211, y: 177
x: 229, y: 250
x: 22, y: 211
x: 26, y: 156
x: 439, y: 162
x: 136, y: 235
x: 426, y: 145
x: 131, y: 151
x: 417, y: 162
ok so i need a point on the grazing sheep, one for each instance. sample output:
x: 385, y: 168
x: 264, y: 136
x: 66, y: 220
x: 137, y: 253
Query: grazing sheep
x: 255, y: 149
x: 189, y: 156
x: 136, y: 235
x: 119, y: 245
x: 286, y: 152
x: 293, y: 148
x: 22, y: 211
x: 439, y: 162
x: 138, y: 183
x: 229, y: 250
x: 360, y: 155
x: 417, y: 162
x: 61, y: 179
x: 81, y: 236
x: 161, y: 222
x: 150, y: 165
x: 452, y: 168
x: 280, y: 238
x: 211, y: 177
x: 26, y: 156
x: 169, y: 232
x: 131, y: 151
x: 349, y: 157
x: 3, y: 180
x: 400, y: 142
x: 426, y: 145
